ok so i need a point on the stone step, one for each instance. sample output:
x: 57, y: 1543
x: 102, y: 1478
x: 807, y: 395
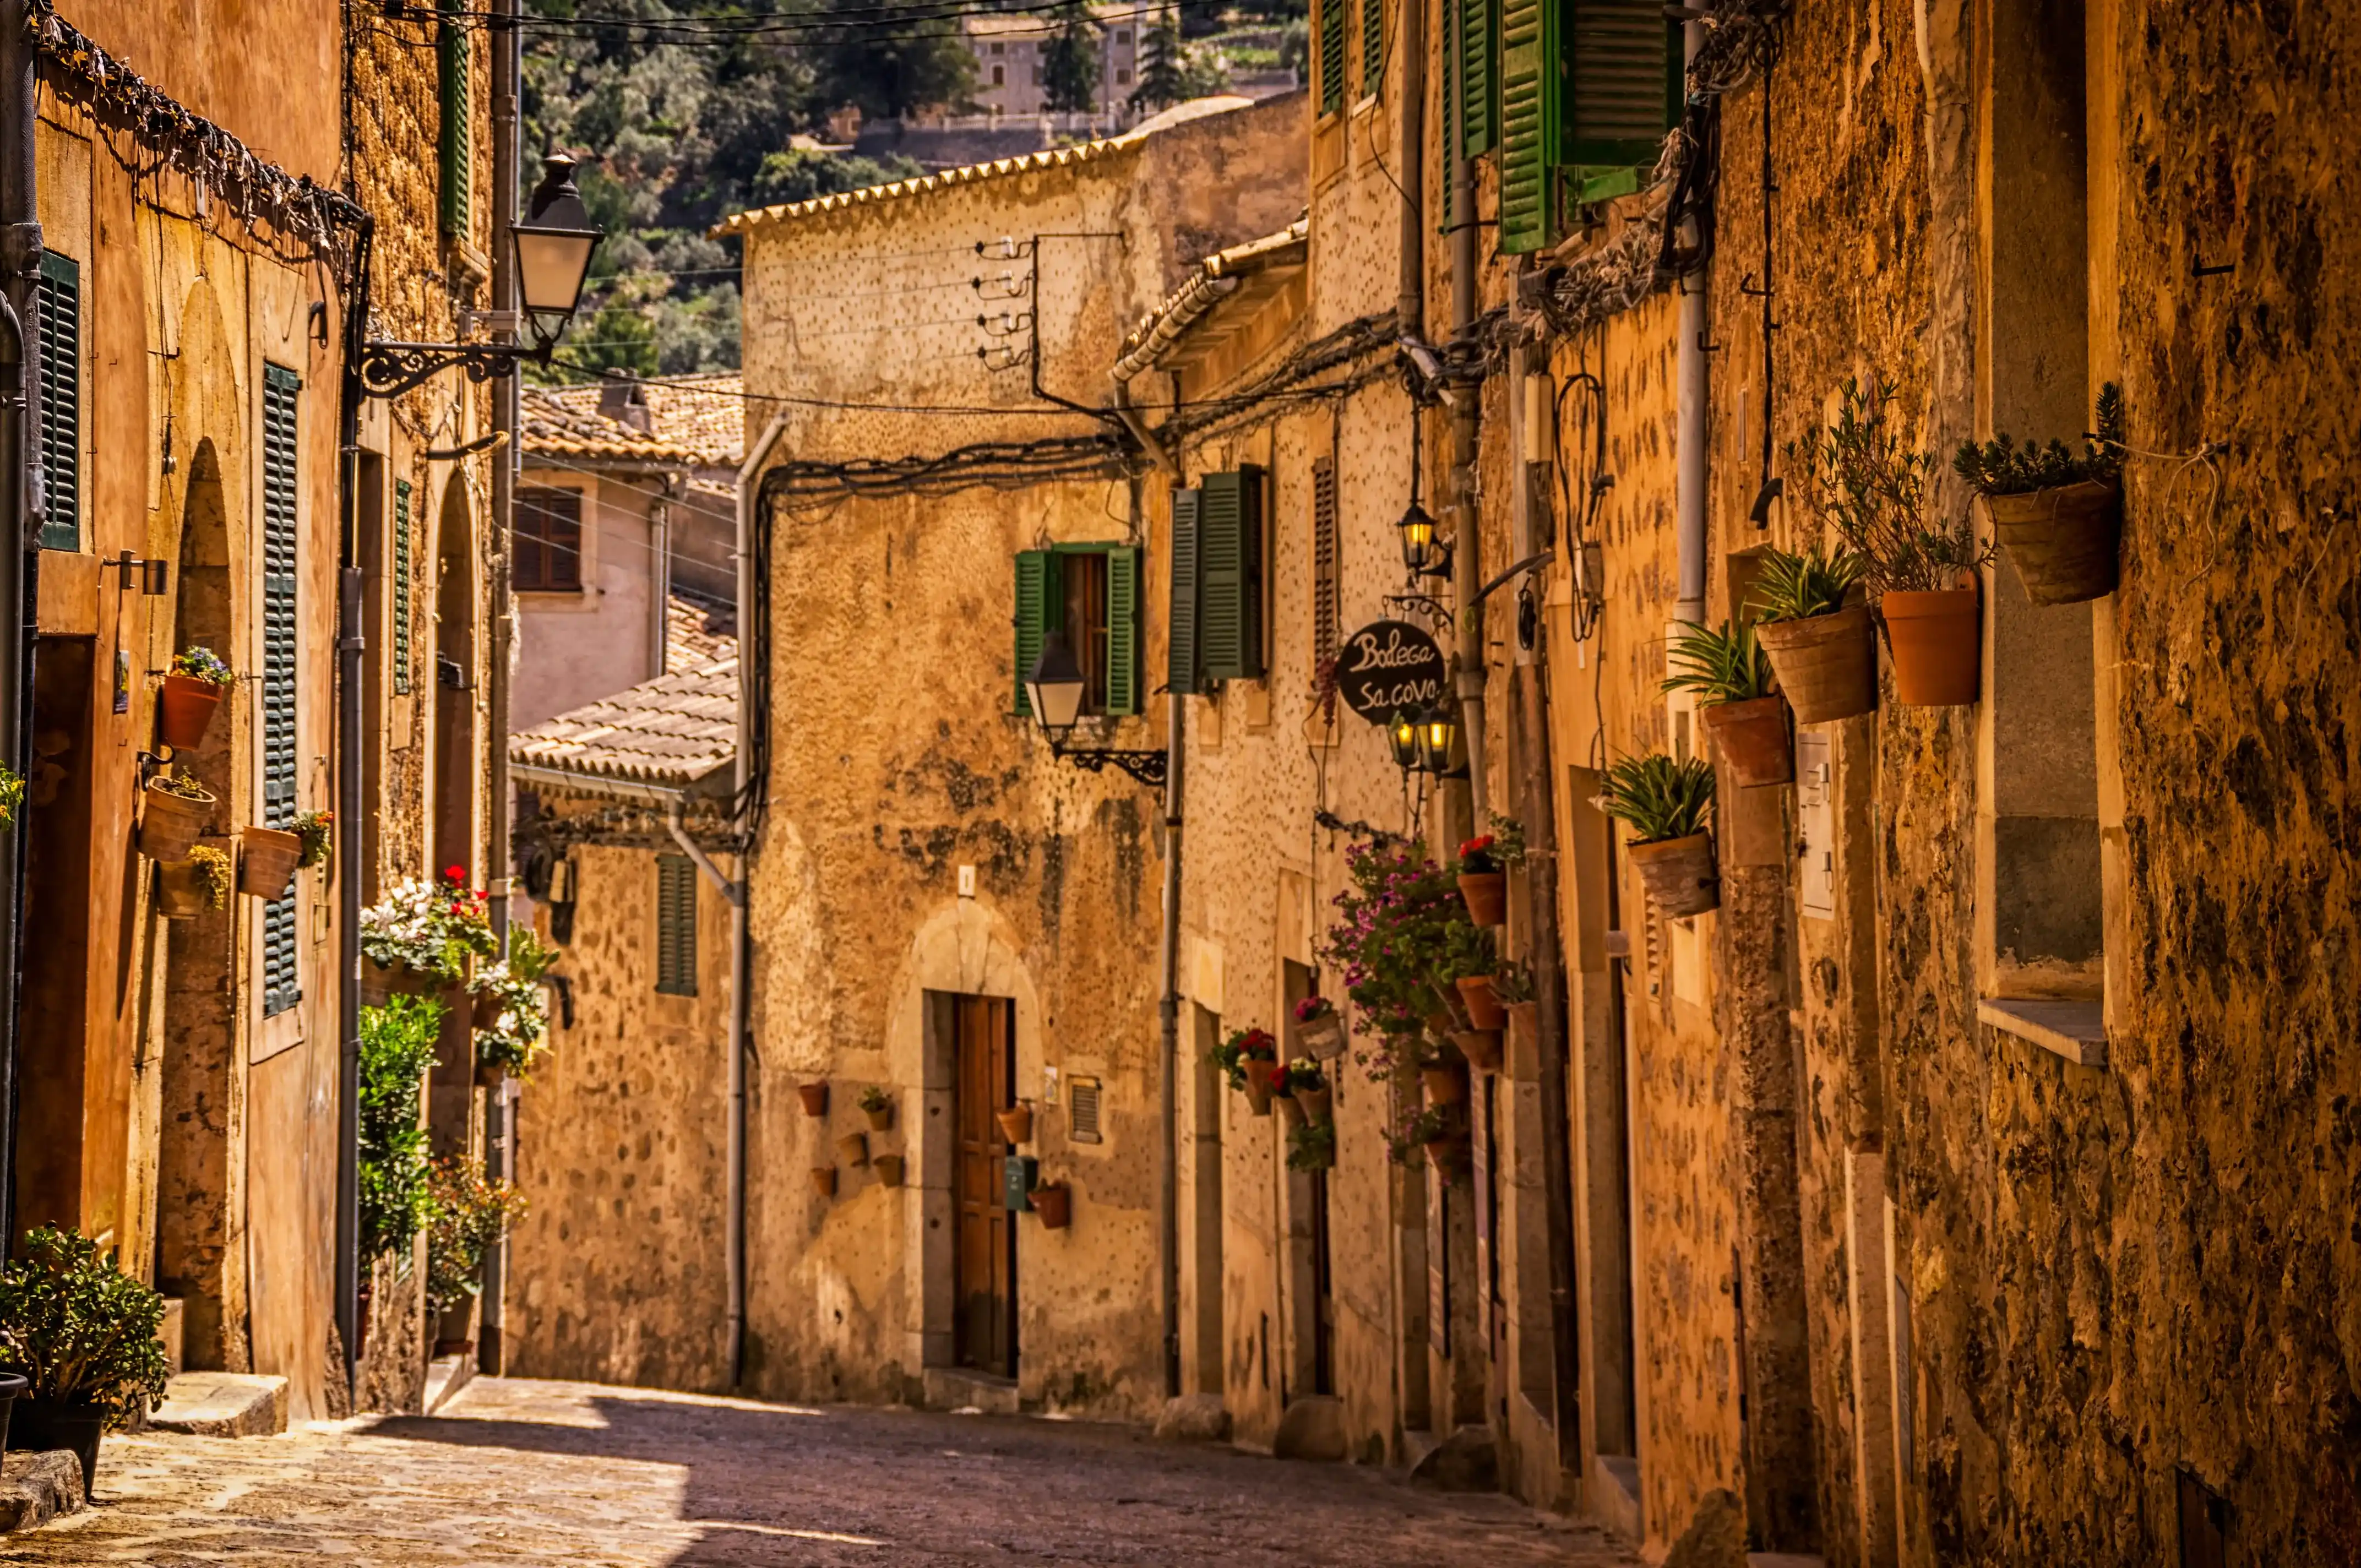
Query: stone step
x: 957, y: 1389
x: 38, y: 1488
x: 223, y: 1404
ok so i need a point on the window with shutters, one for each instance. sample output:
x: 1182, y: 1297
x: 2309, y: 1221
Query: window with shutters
x: 282, y: 388
x: 1588, y: 89
x: 401, y: 569
x: 1230, y: 574
x: 1326, y: 588
x: 1373, y: 46
x: 60, y: 309
x: 1181, y: 666
x: 675, y: 925
x: 453, y: 61
x: 547, y: 541
x: 1089, y: 592
x: 1329, y: 67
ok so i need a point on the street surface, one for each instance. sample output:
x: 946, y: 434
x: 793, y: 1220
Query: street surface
x: 516, y: 1471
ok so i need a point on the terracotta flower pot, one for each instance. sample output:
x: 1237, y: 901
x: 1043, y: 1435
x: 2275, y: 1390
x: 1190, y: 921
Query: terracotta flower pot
x: 1524, y: 1020
x: 382, y: 982
x: 888, y: 1167
x: 1055, y: 1205
x: 1480, y: 1047
x: 181, y: 891
x: 1450, y: 1153
x: 265, y: 863
x: 1485, y: 894
x: 1826, y: 665
x: 1017, y: 1124
x: 1290, y: 1110
x: 185, y: 710
x: 1324, y: 1036
x: 852, y: 1149
x: 2063, y: 542
x: 1937, y: 646
x: 170, y: 824
x: 1259, y: 1071
x: 823, y: 1181
x: 1483, y: 1007
x: 881, y: 1119
x: 1753, y: 736
x: 1444, y: 1085
x: 815, y: 1098
x: 1318, y: 1104
x: 1679, y: 875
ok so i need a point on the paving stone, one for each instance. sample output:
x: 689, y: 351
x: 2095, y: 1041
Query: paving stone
x: 1194, y: 1417
x: 38, y: 1488
x: 223, y: 1404
x: 519, y: 1472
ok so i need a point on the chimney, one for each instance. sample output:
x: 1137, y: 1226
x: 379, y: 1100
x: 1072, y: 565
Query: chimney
x: 624, y: 400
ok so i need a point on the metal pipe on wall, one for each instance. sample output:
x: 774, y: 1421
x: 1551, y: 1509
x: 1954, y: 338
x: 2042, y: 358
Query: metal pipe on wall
x: 1467, y: 577
x: 1168, y: 1017
x: 20, y: 253
x: 1690, y: 387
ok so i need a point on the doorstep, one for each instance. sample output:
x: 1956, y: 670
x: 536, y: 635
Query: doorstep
x: 223, y: 1404
x: 957, y: 1388
x: 38, y: 1488
x: 445, y: 1375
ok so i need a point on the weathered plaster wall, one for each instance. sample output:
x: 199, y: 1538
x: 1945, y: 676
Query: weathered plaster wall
x: 573, y: 648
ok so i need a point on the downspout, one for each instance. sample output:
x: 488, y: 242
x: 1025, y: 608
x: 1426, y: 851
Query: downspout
x: 351, y: 640
x: 741, y: 940
x: 20, y: 253
x: 1467, y: 577
x: 499, y: 1146
x: 1410, y: 303
x: 1168, y: 1014
x: 1689, y: 426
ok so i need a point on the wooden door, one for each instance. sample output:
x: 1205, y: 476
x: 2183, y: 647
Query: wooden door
x: 1323, y: 1292
x: 985, y: 1267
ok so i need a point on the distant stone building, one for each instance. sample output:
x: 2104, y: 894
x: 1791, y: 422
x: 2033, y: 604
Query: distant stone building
x: 1011, y: 49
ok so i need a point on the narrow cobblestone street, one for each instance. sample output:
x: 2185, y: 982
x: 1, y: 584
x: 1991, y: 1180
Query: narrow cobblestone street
x: 574, y: 1473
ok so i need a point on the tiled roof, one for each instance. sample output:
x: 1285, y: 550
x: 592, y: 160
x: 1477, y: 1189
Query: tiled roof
x: 672, y: 733
x: 696, y: 633
x: 1208, y: 283
x: 696, y: 420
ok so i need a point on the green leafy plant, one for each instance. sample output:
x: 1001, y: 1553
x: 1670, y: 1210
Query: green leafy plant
x: 202, y: 664
x: 2000, y: 467
x: 12, y: 796
x: 80, y: 1330
x: 181, y: 785
x: 1232, y: 1055
x: 1467, y: 949
x: 1720, y: 664
x: 1513, y: 984
x: 1872, y: 487
x: 1417, y: 1128
x: 313, y: 827
x: 1311, y: 1146
x: 1477, y: 856
x: 397, y: 1048
x: 431, y: 928
x: 1658, y: 798
x: 215, y: 866
x: 1303, y: 1073
x: 1396, y: 921
x: 519, y: 1029
x: 1797, y: 586
x: 471, y: 1212
x: 1508, y: 841
x: 875, y: 1099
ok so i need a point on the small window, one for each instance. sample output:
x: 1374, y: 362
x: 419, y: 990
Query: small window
x: 675, y: 925
x: 999, y: 49
x: 1122, y: 74
x: 999, y: 73
x: 1090, y: 592
x: 1123, y: 34
x: 402, y: 662
x: 1083, y: 1111
x: 548, y: 540
x: 1037, y: 76
x: 60, y: 391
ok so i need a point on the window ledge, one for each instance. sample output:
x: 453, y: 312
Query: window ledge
x: 2074, y: 1029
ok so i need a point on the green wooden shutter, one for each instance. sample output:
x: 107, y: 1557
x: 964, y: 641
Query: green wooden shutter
x: 1447, y: 129
x: 401, y: 588
x: 1332, y: 56
x: 1475, y: 47
x: 675, y: 925
x: 1032, y: 619
x: 453, y: 86
x: 1180, y: 664
x: 1623, y: 86
x: 281, y: 979
x: 1123, y: 629
x: 1529, y: 123
x: 1373, y: 46
x: 60, y: 388
x: 1229, y: 563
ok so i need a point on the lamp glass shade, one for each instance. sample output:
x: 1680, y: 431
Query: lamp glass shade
x: 554, y: 242
x: 1054, y: 685
x: 1401, y: 734
x: 1437, y: 730
x: 1417, y: 527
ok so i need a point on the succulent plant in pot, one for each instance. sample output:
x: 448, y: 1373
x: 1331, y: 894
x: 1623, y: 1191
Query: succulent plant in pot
x: 1513, y: 989
x: 1817, y: 639
x: 2058, y: 513
x: 83, y: 1336
x: 878, y: 1106
x: 1730, y: 675
x: 1665, y: 803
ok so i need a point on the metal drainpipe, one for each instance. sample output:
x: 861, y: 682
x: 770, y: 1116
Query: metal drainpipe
x: 1168, y: 1017
x: 1410, y: 306
x: 351, y: 640
x: 20, y: 253
x: 1689, y: 427
x: 498, y: 1145
x: 741, y: 936
x: 1466, y: 558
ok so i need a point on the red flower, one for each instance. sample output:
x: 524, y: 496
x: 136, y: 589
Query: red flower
x: 455, y: 873
x: 1476, y: 846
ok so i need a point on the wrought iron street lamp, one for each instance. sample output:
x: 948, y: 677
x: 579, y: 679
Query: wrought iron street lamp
x: 1054, y: 687
x: 1438, y: 730
x: 1401, y: 734
x: 554, y: 242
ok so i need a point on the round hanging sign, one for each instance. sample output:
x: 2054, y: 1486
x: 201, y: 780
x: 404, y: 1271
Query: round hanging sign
x: 1390, y: 667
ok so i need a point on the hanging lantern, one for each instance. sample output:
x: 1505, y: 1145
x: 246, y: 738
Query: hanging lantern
x: 1438, y: 730
x: 1401, y: 734
x: 1421, y: 552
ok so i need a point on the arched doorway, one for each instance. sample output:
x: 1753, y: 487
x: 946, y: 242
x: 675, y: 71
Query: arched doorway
x: 201, y: 1174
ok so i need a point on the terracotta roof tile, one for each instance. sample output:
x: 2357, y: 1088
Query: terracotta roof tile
x: 694, y: 419
x: 669, y: 733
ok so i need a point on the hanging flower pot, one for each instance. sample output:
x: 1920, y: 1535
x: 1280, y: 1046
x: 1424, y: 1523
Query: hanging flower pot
x: 1754, y: 737
x: 1450, y: 1153
x: 1443, y: 1084
x: 1935, y: 640
x: 172, y: 813
x: 1055, y: 1204
x: 823, y: 1181
x: 2062, y: 541
x: 1017, y: 1123
x: 1480, y: 1047
x: 1259, y: 1071
x: 382, y: 982
x: 265, y: 863
x: 852, y: 1149
x: 1485, y: 894
x: 1317, y: 1103
x: 888, y: 1167
x: 1319, y: 1027
x: 1679, y: 875
x: 815, y: 1098
x: 1826, y: 665
x: 878, y: 1106
x: 185, y: 710
x: 190, y: 887
x: 1525, y: 1021
x: 1290, y: 1110
x: 1483, y: 1007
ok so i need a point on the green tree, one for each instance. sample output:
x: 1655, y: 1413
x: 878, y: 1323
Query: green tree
x: 922, y: 65
x: 398, y: 1042
x: 802, y: 173
x: 1070, y: 65
x: 1160, y: 60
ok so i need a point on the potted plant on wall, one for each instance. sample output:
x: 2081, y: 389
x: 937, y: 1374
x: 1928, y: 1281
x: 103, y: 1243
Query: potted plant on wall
x: 1513, y: 989
x: 878, y: 1106
x: 1483, y: 882
x: 425, y: 937
x: 83, y: 1334
x: 511, y: 1018
x: 1311, y: 1146
x: 814, y: 1097
x: 194, y: 687
x: 1819, y: 643
x: 2058, y: 513
x: 313, y: 827
x: 188, y: 888
x: 1664, y: 804
x: 1249, y: 1059
x: 1053, y: 1204
x: 1873, y: 489
x: 1320, y: 1026
x: 472, y: 1211
x: 1731, y: 676
x: 1016, y: 1122
x: 267, y: 860
x: 172, y: 813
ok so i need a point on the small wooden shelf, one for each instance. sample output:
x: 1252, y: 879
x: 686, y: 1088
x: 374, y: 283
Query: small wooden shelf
x: 2076, y: 1030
